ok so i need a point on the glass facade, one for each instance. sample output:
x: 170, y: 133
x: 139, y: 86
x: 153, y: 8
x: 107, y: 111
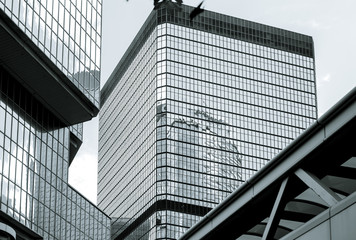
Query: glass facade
x: 34, y: 158
x: 35, y: 146
x: 68, y: 32
x: 191, y: 112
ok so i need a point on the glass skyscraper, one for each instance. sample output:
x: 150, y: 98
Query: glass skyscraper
x: 193, y: 110
x: 49, y: 85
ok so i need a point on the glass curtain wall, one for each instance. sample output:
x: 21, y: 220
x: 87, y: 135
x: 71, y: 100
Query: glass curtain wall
x: 191, y: 112
x: 34, y: 155
x: 34, y: 145
x: 127, y: 145
x: 68, y: 32
x: 225, y: 108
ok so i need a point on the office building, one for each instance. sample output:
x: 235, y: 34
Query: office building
x: 193, y: 110
x: 49, y: 72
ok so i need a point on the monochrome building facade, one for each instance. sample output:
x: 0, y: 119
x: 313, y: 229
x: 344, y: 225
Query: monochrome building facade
x: 193, y: 110
x: 49, y: 85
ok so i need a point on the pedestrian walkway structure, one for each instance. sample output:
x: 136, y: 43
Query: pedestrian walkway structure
x: 308, y: 191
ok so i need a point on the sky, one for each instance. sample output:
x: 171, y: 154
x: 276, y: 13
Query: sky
x: 329, y: 22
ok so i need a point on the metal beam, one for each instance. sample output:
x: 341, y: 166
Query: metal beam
x: 323, y: 191
x: 297, y: 216
x: 344, y: 172
x: 274, y: 218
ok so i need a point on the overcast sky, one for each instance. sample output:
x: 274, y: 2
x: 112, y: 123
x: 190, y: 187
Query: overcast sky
x: 329, y: 22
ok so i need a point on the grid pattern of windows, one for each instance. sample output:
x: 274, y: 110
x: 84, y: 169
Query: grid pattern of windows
x: 68, y: 32
x: 34, y: 145
x: 34, y: 153
x: 131, y: 152
x: 195, y: 113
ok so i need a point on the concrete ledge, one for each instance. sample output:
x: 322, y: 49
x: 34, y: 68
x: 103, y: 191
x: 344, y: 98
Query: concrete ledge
x: 8, y: 230
x: 36, y: 72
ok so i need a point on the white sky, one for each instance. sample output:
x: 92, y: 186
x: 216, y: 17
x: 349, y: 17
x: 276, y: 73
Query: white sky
x: 329, y: 22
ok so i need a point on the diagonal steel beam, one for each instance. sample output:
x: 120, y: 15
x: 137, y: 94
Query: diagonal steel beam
x: 274, y: 218
x: 318, y: 187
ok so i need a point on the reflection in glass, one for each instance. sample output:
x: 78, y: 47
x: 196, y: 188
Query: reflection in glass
x: 193, y: 113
